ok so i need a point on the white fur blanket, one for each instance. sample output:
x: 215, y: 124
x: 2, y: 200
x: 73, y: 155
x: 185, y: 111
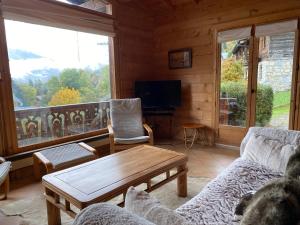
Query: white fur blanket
x: 215, y: 204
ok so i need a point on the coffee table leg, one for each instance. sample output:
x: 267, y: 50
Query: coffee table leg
x: 182, y: 182
x: 53, y: 212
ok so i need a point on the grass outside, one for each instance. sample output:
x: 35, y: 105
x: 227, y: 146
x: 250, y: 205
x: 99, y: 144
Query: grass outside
x: 281, y: 103
x: 281, y: 98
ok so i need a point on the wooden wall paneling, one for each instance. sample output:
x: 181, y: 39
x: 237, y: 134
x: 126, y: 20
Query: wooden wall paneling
x: 135, y: 50
x: 192, y: 25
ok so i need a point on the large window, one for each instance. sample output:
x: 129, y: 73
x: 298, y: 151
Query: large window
x: 56, y: 64
x: 59, y: 77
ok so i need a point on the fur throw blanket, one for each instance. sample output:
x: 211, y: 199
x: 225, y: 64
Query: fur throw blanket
x: 277, y: 203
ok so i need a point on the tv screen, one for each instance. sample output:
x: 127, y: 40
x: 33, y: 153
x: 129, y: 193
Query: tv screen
x: 159, y: 94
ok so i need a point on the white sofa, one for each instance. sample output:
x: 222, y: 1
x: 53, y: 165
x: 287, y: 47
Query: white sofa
x: 216, y: 203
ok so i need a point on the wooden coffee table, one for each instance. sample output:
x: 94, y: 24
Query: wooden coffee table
x: 105, y: 178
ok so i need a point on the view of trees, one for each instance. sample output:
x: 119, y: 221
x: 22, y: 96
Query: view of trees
x: 234, y: 90
x: 232, y: 70
x: 71, y: 86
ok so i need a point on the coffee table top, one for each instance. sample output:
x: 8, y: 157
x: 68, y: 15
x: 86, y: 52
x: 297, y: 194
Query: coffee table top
x: 99, y: 179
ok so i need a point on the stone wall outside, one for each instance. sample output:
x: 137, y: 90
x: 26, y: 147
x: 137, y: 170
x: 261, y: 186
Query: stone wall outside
x: 276, y: 73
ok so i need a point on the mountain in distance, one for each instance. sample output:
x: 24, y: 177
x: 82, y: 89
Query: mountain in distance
x: 26, y: 66
x: 18, y: 54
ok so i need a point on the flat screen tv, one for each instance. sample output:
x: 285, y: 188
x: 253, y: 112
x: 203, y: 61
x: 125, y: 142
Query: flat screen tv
x: 163, y: 94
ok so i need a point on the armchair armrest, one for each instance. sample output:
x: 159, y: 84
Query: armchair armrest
x: 150, y: 132
x: 111, y: 138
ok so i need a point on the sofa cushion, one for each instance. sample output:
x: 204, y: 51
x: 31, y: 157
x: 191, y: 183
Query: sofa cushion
x: 104, y: 213
x: 291, y: 137
x: 142, y: 204
x: 269, y: 152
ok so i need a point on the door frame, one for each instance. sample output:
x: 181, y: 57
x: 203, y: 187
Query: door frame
x: 237, y: 133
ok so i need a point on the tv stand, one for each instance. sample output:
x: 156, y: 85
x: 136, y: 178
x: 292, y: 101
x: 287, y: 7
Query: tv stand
x: 152, y: 117
x: 161, y: 111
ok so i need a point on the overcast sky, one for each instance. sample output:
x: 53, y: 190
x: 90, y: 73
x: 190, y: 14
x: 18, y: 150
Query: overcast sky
x: 59, y: 48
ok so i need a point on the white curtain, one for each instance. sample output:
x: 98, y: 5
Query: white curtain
x: 276, y: 28
x: 57, y: 15
x: 234, y: 34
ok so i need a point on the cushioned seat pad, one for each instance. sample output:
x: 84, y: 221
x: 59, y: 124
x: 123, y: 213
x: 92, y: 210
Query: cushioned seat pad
x: 67, y: 154
x: 4, y: 170
x: 134, y: 140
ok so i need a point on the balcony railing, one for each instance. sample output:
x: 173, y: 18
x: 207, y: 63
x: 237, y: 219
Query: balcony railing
x: 36, y: 125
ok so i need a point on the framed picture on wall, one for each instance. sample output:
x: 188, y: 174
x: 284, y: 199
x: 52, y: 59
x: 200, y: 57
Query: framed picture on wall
x: 180, y: 58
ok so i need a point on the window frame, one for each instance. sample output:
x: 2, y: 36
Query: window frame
x: 8, y: 136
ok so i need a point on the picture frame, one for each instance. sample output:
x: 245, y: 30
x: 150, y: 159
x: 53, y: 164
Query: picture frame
x: 180, y: 58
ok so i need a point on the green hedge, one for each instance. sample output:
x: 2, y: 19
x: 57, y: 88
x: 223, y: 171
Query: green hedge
x: 264, y: 102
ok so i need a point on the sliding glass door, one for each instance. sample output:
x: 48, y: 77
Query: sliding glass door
x: 257, y: 79
x: 234, y: 82
x: 234, y: 58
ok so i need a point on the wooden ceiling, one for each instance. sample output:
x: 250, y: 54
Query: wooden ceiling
x: 158, y: 6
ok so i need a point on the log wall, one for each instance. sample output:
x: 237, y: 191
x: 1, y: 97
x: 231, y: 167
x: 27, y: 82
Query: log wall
x: 134, y: 47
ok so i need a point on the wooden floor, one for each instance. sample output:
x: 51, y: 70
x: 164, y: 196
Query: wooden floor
x: 203, y: 162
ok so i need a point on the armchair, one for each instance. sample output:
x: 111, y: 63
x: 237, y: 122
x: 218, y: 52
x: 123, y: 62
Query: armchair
x: 4, y: 177
x: 126, y: 128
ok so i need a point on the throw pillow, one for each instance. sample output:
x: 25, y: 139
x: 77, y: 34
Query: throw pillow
x: 142, y: 204
x: 268, y: 152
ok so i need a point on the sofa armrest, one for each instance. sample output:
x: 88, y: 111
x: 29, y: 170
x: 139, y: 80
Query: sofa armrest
x: 108, y: 214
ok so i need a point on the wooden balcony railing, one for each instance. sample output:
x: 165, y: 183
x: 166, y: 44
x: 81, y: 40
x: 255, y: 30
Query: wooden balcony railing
x: 36, y: 125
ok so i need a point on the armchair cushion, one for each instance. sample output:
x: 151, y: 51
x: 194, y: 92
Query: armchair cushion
x: 126, y: 118
x: 134, y: 140
x: 4, y: 170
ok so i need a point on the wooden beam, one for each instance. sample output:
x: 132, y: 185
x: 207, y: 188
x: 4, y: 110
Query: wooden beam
x: 197, y: 1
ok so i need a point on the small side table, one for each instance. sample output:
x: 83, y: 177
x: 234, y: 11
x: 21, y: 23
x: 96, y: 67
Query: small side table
x: 198, y: 132
x: 62, y: 157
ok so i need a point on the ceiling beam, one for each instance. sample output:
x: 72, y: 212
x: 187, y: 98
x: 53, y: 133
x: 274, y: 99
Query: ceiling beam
x: 197, y: 1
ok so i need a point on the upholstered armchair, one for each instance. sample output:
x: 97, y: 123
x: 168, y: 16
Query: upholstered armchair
x: 126, y: 128
x: 4, y: 177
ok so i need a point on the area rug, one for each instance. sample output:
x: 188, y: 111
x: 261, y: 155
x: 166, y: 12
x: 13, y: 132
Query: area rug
x: 33, y: 210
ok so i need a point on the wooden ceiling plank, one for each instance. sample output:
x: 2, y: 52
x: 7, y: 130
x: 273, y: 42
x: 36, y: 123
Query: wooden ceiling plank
x: 170, y: 3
